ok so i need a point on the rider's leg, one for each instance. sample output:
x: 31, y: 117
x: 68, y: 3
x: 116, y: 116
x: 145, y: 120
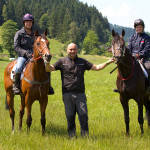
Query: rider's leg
x: 50, y: 90
x: 147, y: 66
x: 17, y: 73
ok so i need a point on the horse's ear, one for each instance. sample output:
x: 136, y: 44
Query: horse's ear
x: 36, y: 33
x: 109, y: 49
x: 113, y: 32
x: 123, y: 32
x: 46, y: 31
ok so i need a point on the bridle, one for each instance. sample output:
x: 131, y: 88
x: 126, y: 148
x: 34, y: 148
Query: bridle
x: 122, y: 49
x: 40, y: 51
x: 119, y: 48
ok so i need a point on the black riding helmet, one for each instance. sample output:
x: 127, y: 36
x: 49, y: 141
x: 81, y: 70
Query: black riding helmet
x: 139, y: 22
x: 27, y: 17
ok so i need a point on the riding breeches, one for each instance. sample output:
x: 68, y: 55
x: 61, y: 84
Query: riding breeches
x: 19, y: 65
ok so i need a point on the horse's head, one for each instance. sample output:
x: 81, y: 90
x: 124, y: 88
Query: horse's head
x: 41, y: 47
x: 118, y: 45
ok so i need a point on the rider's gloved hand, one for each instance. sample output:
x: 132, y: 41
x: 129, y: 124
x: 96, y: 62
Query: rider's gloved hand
x: 28, y: 54
x: 137, y: 56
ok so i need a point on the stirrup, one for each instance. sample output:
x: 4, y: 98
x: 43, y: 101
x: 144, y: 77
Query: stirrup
x: 50, y: 91
x: 116, y: 90
x: 16, y: 91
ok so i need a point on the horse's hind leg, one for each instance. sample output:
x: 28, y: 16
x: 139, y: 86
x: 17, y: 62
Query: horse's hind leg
x: 6, y: 104
x: 43, y: 104
x: 21, y: 111
x: 126, y: 113
x: 10, y: 102
x: 147, y: 107
x: 140, y: 116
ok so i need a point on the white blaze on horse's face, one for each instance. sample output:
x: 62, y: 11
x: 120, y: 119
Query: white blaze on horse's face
x: 117, y: 49
x: 46, y: 54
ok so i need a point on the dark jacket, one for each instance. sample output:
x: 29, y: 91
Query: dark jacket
x: 23, y: 43
x: 140, y: 44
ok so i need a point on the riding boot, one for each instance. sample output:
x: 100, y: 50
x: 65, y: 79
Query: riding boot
x: 50, y: 89
x: 16, y: 83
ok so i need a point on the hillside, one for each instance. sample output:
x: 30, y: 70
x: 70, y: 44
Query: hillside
x: 65, y: 20
x: 128, y: 31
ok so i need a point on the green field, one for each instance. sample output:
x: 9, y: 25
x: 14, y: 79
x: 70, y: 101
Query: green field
x: 106, y: 123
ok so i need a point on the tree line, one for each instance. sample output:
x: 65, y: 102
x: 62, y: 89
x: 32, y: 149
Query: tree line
x: 66, y: 20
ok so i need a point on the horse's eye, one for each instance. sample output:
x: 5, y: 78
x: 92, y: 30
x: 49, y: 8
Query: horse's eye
x: 38, y: 44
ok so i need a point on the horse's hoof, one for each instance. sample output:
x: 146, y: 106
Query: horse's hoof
x: 127, y: 134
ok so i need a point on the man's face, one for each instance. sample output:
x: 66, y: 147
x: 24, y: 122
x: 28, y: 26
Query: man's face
x: 28, y: 24
x: 139, y: 29
x: 72, y: 50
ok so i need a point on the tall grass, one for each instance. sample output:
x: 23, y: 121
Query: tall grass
x: 106, y: 122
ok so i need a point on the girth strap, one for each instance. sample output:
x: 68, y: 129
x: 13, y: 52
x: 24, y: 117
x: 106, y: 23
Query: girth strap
x: 35, y: 82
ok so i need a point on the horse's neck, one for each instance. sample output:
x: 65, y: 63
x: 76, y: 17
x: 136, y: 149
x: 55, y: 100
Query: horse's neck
x: 126, y: 65
x: 38, y: 69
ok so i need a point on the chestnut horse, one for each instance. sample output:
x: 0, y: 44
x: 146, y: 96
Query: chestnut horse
x: 131, y: 81
x: 34, y: 83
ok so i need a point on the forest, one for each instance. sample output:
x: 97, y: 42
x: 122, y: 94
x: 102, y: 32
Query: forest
x: 66, y: 21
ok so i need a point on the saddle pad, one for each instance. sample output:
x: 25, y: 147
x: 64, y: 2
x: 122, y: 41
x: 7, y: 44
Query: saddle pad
x: 13, y: 71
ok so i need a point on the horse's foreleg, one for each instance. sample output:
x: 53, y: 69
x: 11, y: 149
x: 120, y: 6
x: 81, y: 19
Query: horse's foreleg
x: 43, y: 104
x: 126, y: 114
x: 10, y: 102
x: 140, y: 116
x: 21, y: 111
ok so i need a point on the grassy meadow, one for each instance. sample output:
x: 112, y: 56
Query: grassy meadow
x: 106, y: 122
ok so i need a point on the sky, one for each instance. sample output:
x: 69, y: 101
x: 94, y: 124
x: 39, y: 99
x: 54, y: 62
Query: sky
x: 123, y: 12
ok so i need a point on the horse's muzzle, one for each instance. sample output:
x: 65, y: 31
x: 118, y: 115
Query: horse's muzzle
x: 47, y: 57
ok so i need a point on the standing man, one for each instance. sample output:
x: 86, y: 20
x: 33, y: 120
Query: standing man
x: 23, y: 44
x: 72, y: 70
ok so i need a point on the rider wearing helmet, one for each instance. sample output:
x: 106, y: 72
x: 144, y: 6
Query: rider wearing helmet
x: 23, y: 44
x: 139, y: 44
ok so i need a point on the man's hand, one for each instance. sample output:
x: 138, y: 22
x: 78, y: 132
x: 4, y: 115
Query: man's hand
x: 110, y: 60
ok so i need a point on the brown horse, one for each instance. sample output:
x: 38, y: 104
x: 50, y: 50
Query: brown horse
x: 34, y: 83
x: 131, y: 81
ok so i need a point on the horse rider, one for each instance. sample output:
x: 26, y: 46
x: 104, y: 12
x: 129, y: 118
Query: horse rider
x: 139, y: 45
x: 23, y: 44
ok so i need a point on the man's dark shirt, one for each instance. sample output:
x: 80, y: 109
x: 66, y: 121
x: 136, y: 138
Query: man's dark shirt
x: 23, y: 42
x: 72, y: 73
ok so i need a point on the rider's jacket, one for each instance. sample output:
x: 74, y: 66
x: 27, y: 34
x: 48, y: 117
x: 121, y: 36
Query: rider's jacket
x: 140, y: 44
x: 23, y: 43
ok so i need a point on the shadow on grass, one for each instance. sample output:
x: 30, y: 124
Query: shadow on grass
x: 54, y: 129
x: 1, y: 59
